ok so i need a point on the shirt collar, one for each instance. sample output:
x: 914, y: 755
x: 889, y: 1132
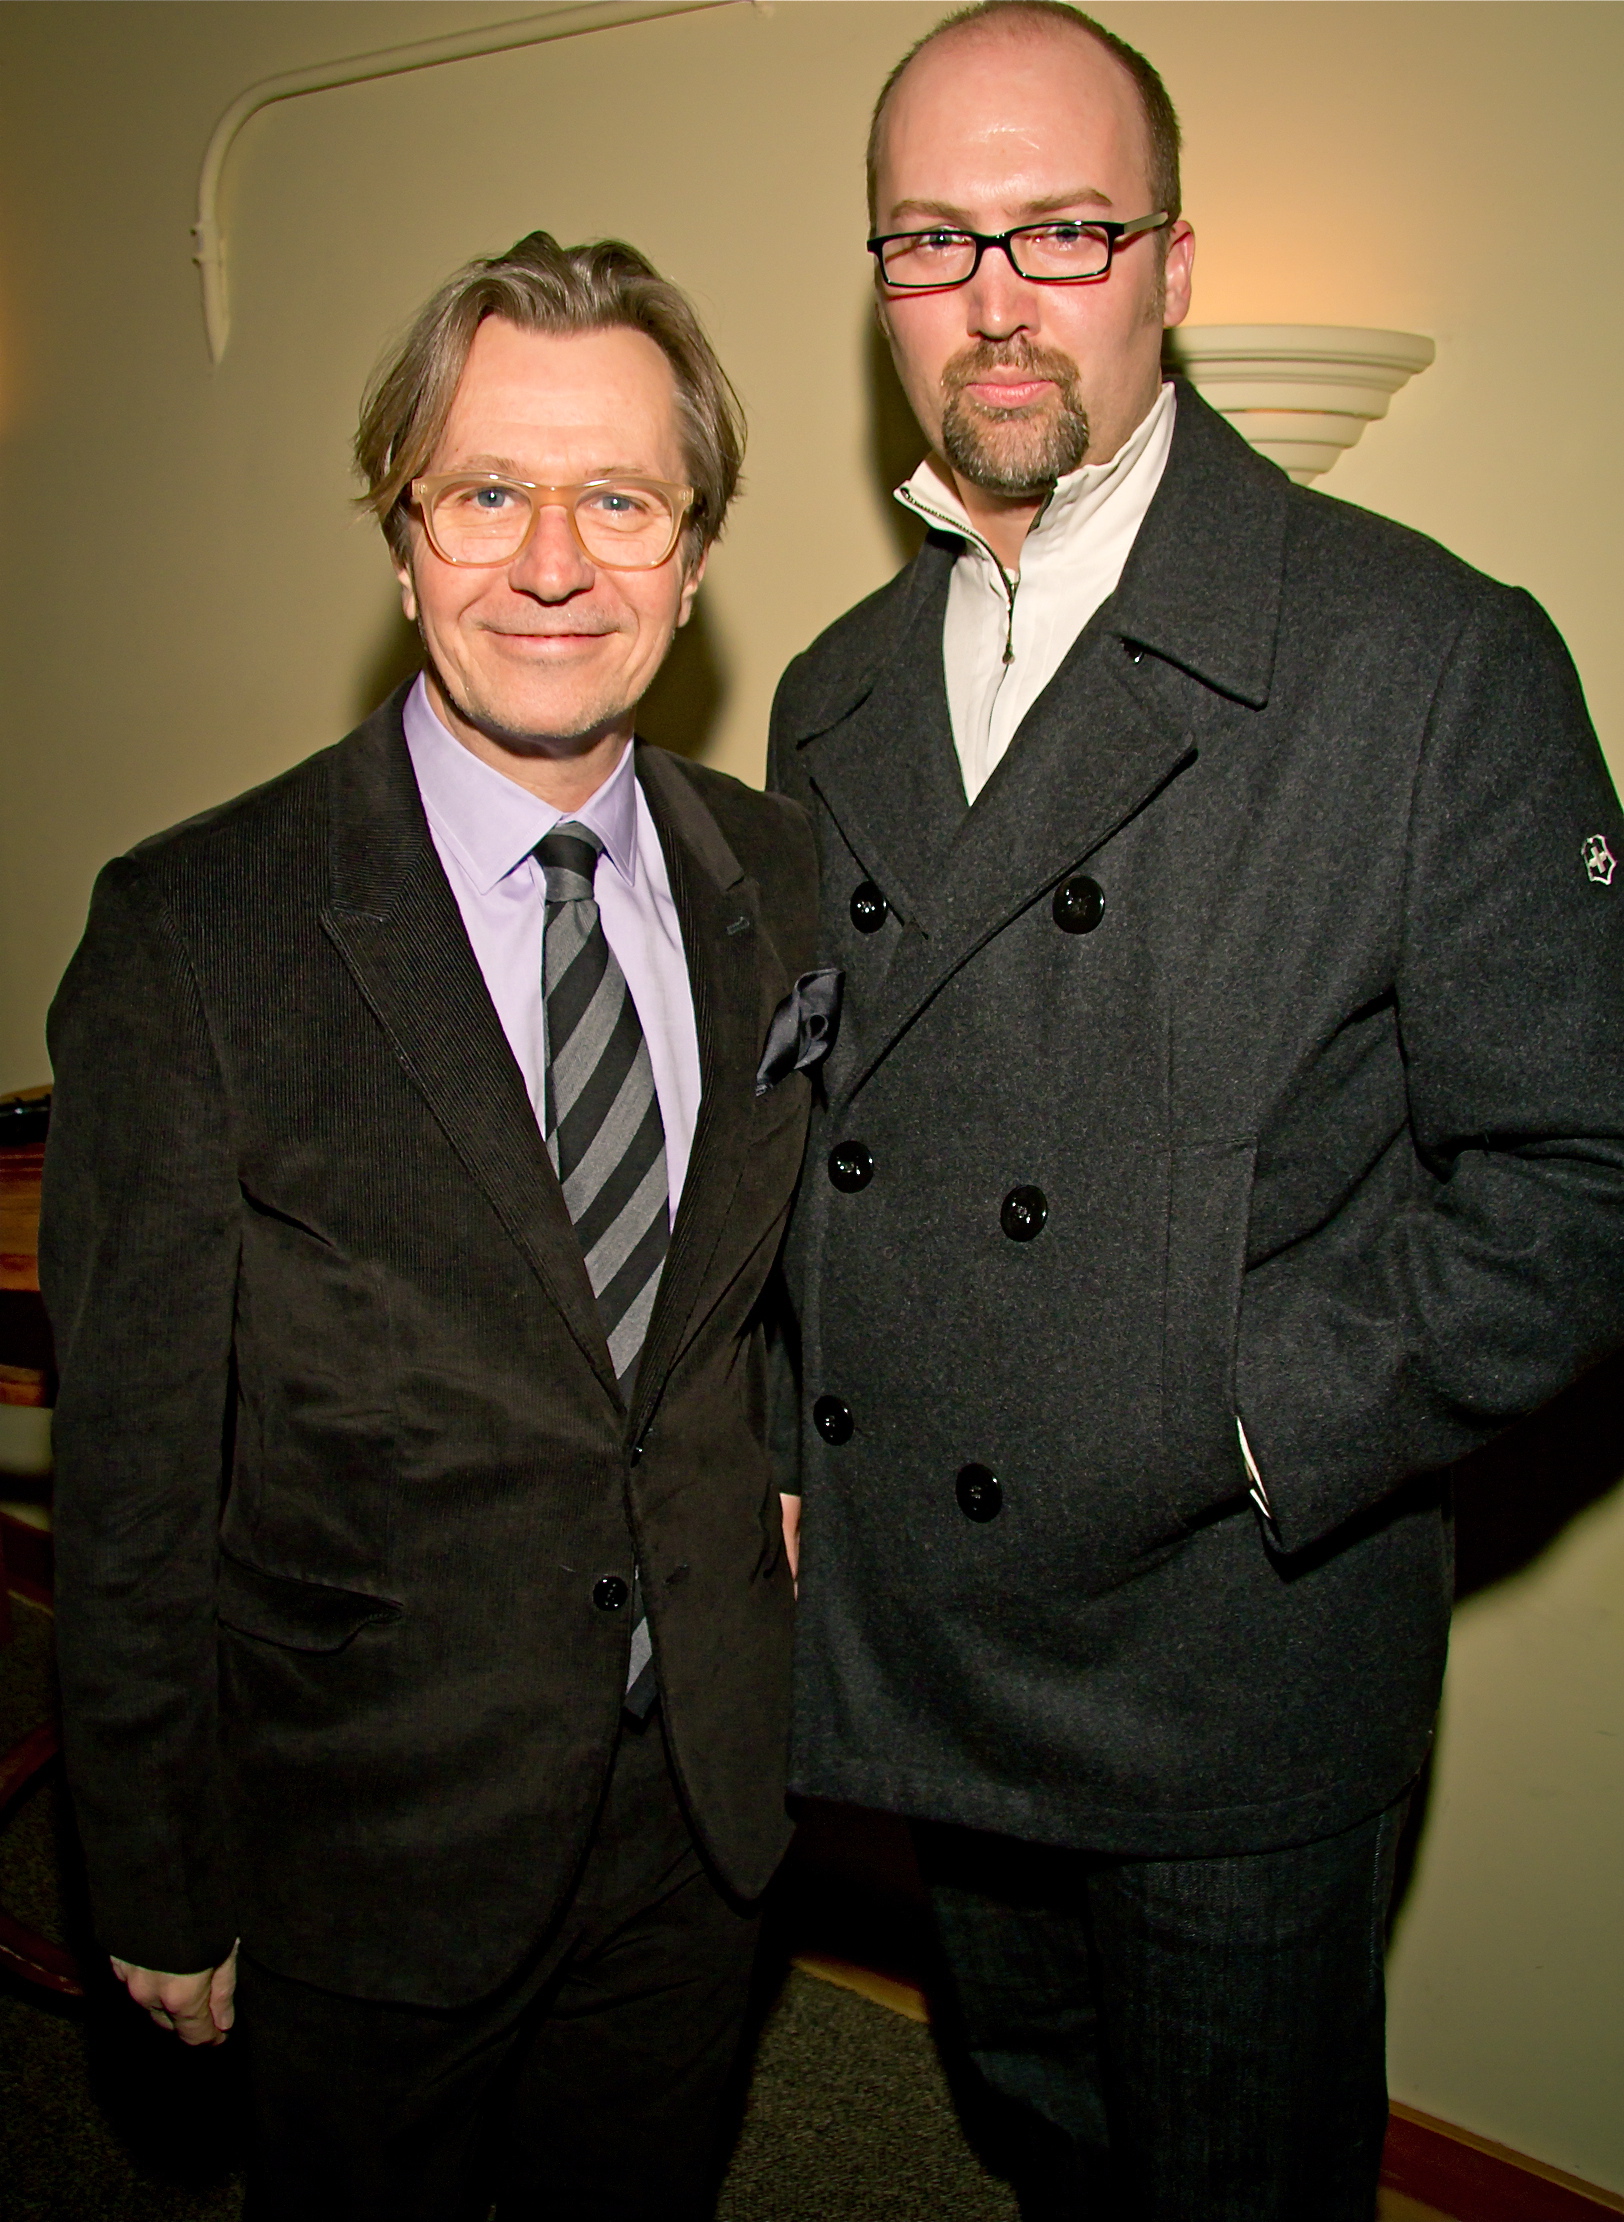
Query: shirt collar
x: 490, y: 822
x: 1076, y: 499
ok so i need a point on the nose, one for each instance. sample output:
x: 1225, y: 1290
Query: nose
x: 552, y: 564
x: 998, y: 301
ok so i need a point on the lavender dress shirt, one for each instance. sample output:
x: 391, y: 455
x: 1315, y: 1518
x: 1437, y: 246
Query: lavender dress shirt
x: 484, y: 828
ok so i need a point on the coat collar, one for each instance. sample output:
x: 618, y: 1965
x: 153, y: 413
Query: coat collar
x: 1200, y: 592
x: 1201, y: 587
x: 394, y: 920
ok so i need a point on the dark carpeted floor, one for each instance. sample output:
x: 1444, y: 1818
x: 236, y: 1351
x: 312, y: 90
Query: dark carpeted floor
x: 104, y: 2119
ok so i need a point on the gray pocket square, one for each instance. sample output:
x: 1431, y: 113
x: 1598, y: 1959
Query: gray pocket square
x: 803, y: 1028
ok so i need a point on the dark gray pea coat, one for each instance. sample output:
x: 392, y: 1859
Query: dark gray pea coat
x: 340, y: 1455
x: 1327, y: 1110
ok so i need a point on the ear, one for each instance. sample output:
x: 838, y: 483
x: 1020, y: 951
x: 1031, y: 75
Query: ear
x: 408, y: 591
x: 690, y: 587
x: 1179, y: 273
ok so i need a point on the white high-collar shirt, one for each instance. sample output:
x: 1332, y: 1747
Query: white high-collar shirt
x: 1005, y: 636
x: 484, y: 826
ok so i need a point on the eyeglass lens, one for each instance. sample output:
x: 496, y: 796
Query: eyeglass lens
x: 1038, y: 251
x: 486, y: 521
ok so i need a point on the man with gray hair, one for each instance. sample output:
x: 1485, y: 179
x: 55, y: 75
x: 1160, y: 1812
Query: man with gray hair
x: 1226, y: 1133
x: 424, y: 1131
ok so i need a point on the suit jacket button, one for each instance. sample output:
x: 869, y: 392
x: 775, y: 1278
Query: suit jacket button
x: 1023, y: 1213
x: 869, y: 908
x: 1079, y: 905
x: 979, y: 1492
x: 609, y: 1593
x: 833, y: 1419
x: 851, y: 1166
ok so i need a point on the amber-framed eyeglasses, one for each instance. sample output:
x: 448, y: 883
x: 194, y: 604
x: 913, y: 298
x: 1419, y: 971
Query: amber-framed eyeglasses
x: 484, y: 519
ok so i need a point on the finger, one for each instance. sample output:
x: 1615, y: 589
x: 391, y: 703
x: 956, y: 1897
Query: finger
x: 222, y: 1993
x: 194, y: 2024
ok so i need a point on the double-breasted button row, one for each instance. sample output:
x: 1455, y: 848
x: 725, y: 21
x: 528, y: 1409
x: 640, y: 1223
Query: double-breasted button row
x: 1079, y: 905
x: 1023, y: 1214
x: 979, y: 1492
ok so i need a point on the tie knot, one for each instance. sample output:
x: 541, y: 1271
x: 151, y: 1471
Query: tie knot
x: 569, y: 857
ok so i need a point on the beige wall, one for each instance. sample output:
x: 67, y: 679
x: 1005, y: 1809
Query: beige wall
x: 190, y: 607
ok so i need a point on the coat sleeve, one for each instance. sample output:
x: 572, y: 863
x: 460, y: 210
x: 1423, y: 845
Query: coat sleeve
x: 138, y: 1262
x: 1470, y: 1283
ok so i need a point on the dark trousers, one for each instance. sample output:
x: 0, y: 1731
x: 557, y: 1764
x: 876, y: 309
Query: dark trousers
x: 1193, y: 2040
x: 592, y: 2084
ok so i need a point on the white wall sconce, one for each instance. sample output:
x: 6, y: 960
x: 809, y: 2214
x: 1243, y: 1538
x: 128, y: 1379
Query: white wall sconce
x: 1300, y: 393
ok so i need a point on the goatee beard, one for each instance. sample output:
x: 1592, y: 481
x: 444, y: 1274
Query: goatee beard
x: 1014, y: 452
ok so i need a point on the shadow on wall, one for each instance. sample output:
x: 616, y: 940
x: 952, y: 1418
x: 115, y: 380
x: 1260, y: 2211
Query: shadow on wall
x: 895, y: 442
x: 1514, y: 1499
x: 396, y: 655
x: 682, y: 708
x: 1516, y: 1496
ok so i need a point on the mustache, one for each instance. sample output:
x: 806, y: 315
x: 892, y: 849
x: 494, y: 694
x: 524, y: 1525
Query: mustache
x: 1018, y: 355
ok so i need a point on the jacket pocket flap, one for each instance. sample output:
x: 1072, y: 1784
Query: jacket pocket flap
x: 301, y: 1616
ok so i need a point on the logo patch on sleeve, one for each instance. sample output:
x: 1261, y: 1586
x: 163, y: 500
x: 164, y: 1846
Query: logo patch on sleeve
x: 1599, y: 860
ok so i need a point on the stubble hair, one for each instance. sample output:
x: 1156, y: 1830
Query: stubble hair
x: 1015, y: 453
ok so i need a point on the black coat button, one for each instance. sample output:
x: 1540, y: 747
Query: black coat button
x: 1023, y: 1213
x: 1079, y: 905
x: 609, y: 1593
x: 851, y: 1166
x: 869, y: 908
x: 979, y: 1492
x: 832, y: 1419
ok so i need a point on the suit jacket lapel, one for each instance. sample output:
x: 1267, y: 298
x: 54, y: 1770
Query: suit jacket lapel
x: 392, y: 916
x: 728, y: 952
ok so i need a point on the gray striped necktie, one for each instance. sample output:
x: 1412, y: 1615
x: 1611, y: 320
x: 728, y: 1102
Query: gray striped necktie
x: 603, y: 1131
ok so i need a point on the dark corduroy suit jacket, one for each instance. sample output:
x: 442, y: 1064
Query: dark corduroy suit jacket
x: 340, y: 1457
x: 1328, y: 1114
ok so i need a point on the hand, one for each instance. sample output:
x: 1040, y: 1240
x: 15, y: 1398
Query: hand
x: 198, y: 2008
x: 792, y: 1537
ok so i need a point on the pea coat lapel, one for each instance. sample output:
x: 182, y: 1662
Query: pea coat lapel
x: 1199, y: 597
x: 735, y: 976
x: 390, y: 913
x: 886, y: 766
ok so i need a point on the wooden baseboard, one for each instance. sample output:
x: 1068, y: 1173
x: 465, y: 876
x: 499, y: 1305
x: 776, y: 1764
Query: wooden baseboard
x: 1451, y: 2171
x: 1476, y: 2180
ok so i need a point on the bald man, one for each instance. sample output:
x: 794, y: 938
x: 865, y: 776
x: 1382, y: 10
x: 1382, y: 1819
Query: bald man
x: 1223, y: 1137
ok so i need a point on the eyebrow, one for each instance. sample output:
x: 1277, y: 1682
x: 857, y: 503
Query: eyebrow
x: 1050, y: 204
x: 503, y: 466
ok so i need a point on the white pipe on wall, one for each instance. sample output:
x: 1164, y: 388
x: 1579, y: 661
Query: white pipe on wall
x: 562, y: 22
